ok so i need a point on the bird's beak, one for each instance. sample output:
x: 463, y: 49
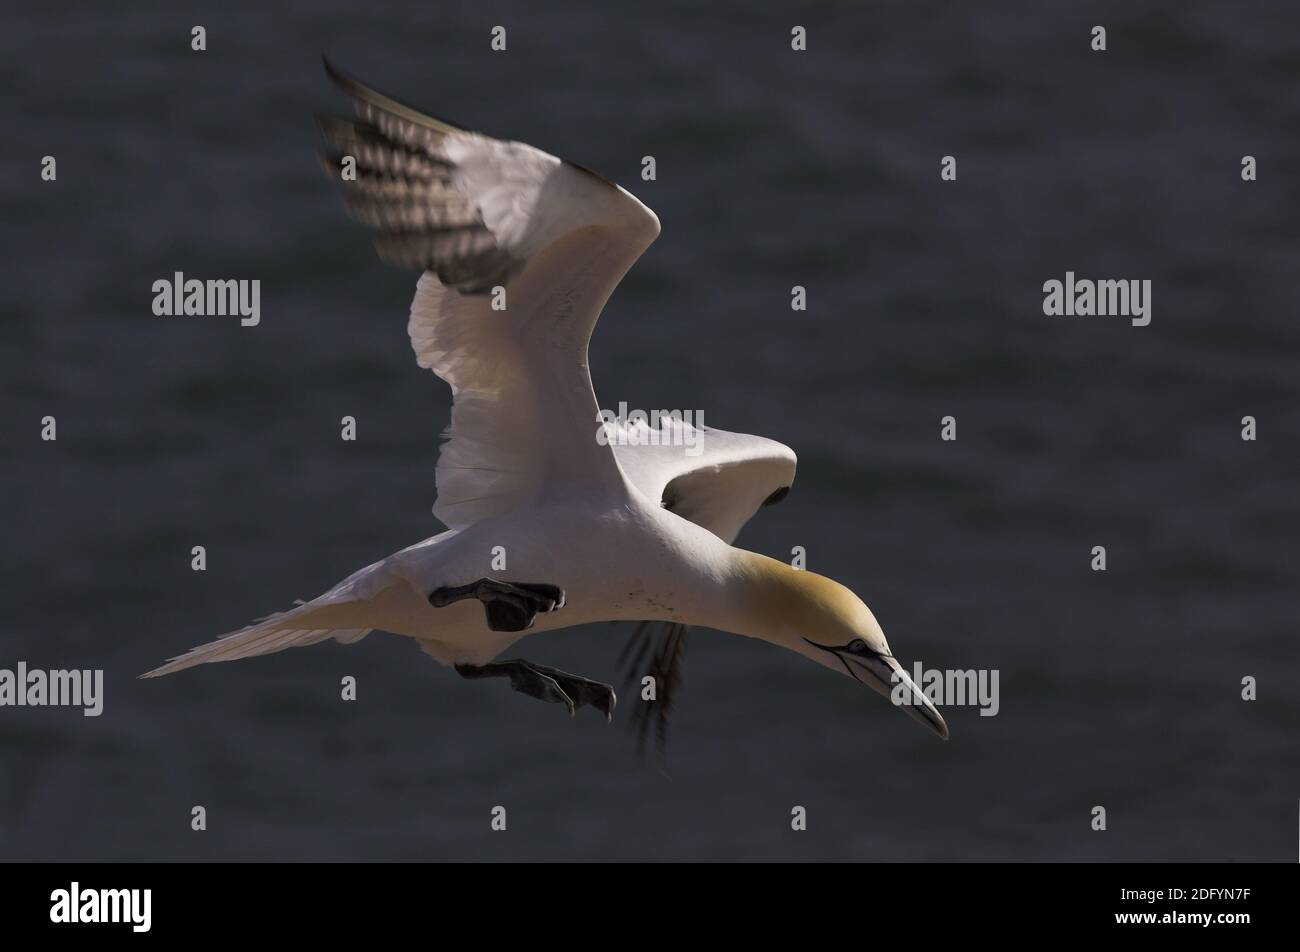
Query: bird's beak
x: 887, y: 677
x: 884, y: 675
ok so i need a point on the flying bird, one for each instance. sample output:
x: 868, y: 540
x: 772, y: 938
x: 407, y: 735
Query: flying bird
x: 555, y: 516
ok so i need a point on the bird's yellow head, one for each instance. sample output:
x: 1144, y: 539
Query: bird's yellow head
x: 823, y: 620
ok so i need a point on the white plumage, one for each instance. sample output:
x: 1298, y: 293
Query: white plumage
x: 630, y: 525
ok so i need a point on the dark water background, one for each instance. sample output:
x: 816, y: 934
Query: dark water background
x: 775, y: 168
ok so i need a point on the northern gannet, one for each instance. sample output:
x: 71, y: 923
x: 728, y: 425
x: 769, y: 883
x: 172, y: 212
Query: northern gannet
x: 595, y: 523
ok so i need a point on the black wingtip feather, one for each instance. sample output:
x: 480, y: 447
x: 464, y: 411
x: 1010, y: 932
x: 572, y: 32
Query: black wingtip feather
x: 356, y: 89
x: 666, y: 668
x: 338, y: 77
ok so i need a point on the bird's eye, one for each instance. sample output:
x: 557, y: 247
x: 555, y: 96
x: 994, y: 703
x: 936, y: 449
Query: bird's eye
x: 857, y: 646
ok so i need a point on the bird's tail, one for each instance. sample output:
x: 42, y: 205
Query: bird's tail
x: 345, y: 613
x: 303, y: 625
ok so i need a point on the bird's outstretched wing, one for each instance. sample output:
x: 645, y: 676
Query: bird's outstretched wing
x: 520, y: 251
x: 717, y: 480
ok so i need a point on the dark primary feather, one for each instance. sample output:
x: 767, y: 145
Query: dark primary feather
x: 404, y: 190
x: 656, y: 649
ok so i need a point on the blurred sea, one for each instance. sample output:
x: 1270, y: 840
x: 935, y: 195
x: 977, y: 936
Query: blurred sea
x: 774, y: 169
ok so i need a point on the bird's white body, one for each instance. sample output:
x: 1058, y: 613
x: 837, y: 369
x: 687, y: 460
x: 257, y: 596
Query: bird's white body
x: 537, y: 486
x: 621, y: 561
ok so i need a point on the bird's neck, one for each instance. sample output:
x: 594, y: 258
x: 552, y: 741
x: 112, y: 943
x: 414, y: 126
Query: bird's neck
x: 766, y: 598
x: 778, y: 603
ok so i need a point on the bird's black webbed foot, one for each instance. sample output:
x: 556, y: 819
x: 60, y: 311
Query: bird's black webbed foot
x: 548, y: 684
x: 509, y: 606
x: 584, y: 691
